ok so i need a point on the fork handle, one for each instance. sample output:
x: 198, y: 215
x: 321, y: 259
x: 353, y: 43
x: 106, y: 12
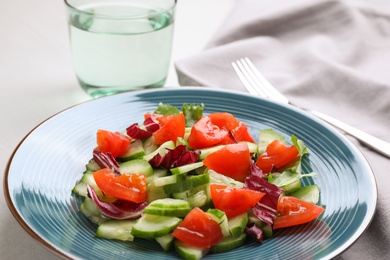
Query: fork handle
x: 371, y: 141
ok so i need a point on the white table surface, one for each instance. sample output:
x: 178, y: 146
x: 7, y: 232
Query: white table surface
x: 37, y: 81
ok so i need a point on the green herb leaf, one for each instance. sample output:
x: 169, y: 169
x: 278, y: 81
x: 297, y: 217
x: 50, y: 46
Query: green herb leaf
x: 192, y: 113
x: 166, y: 109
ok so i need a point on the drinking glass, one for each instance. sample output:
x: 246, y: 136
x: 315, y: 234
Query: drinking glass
x: 120, y: 45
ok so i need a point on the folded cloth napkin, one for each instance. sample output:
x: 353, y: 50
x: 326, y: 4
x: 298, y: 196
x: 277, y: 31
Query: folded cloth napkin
x: 330, y: 56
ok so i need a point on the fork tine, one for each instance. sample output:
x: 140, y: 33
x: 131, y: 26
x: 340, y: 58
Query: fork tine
x: 246, y: 78
x: 243, y: 79
x: 263, y: 83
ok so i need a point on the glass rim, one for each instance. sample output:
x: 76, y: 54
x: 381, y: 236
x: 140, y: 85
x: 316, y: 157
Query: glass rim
x: 124, y: 17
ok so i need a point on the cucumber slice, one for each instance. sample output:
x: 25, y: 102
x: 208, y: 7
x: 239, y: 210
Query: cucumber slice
x: 139, y: 166
x: 92, y: 166
x: 189, y: 193
x: 308, y: 193
x: 229, y: 243
x: 152, y: 226
x: 89, y: 209
x: 170, y: 179
x: 186, y: 168
x: 267, y: 136
x: 136, y: 150
x: 207, y: 151
x: 166, y: 242
x: 197, y: 197
x: 184, y: 183
x: 160, y: 150
x: 253, y: 148
x: 158, y: 173
x: 200, y: 199
x: 220, y: 217
x: 155, y: 193
x: 267, y: 230
x: 116, y: 229
x: 222, y: 179
x: 189, y: 252
x: 150, y: 145
x: 237, y: 224
x: 292, y: 187
x: 168, y: 207
x: 80, y: 188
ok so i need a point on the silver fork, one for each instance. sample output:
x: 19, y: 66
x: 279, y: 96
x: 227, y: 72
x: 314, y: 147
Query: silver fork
x: 256, y: 84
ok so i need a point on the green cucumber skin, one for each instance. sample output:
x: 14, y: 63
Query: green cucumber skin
x: 166, y: 242
x: 116, y: 229
x: 89, y: 209
x: 139, y: 166
x: 229, y: 243
x: 168, y: 207
x: 92, y: 166
x: 136, y: 151
x: 186, y: 168
x: 188, y: 252
x: 309, y: 194
x: 186, y: 183
x: 152, y: 226
x: 237, y: 224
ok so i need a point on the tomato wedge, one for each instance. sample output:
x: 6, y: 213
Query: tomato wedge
x: 173, y: 128
x: 276, y: 155
x: 233, y: 160
x: 205, y: 133
x: 241, y: 133
x: 232, y: 200
x: 198, y: 229
x: 131, y: 187
x: 112, y: 142
x: 294, y: 212
x: 224, y: 120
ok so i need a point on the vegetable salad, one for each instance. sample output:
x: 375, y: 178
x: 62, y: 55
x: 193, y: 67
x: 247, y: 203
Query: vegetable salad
x: 197, y: 184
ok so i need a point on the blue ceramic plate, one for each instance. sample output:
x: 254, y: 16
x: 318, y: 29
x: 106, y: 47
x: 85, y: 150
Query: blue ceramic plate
x: 50, y: 160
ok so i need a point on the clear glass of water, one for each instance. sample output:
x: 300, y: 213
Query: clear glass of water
x: 120, y: 45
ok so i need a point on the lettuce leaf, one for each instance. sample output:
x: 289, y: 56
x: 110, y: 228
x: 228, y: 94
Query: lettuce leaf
x: 166, y: 109
x: 192, y: 113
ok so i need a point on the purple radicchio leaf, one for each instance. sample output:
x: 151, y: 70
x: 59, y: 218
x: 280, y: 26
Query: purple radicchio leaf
x: 265, y: 209
x: 151, y: 125
x: 106, y: 160
x: 136, y: 132
x: 120, y: 209
x: 255, y: 232
x: 174, y: 158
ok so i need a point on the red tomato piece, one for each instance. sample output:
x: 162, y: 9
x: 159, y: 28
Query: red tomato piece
x: 276, y: 156
x: 294, y: 212
x: 152, y: 116
x: 232, y: 200
x: 241, y: 133
x: 205, y: 134
x: 158, y: 118
x: 275, y: 147
x: 224, y: 120
x: 233, y: 160
x: 171, y: 130
x: 113, y: 142
x: 198, y: 229
x: 131, y: 187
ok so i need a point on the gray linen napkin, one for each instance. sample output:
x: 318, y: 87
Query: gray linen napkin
x: 331, y: 56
